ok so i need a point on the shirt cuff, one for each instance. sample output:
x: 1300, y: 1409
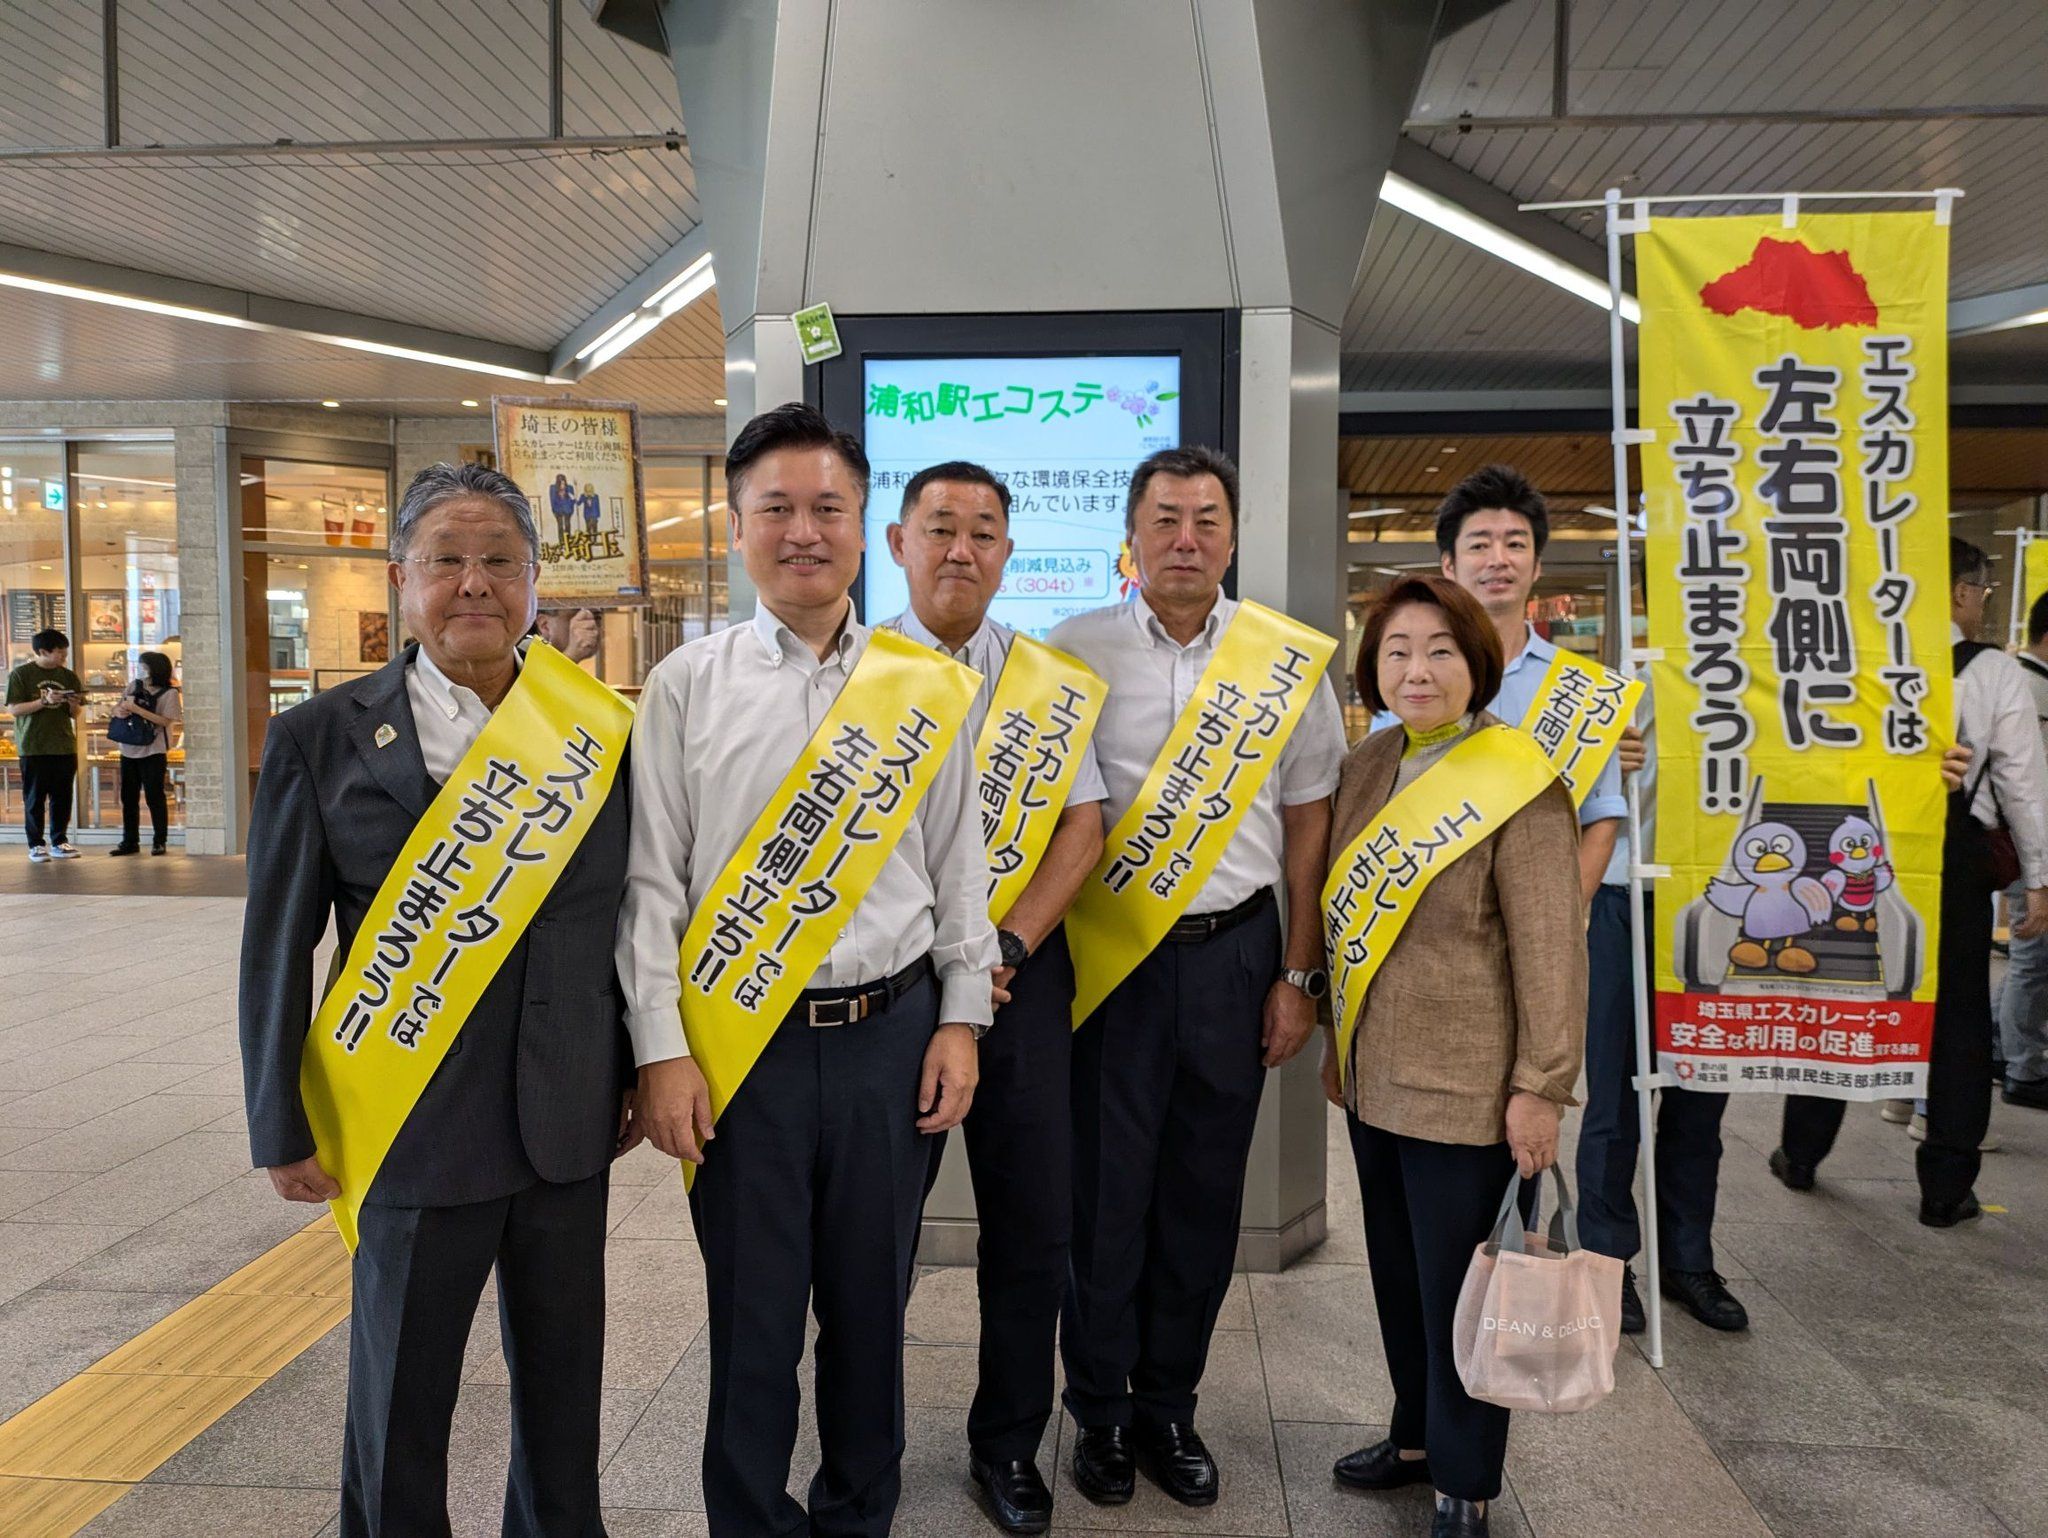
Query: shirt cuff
x: 1603, y: 808
x: 964, y: 999
x: 657, y: 1034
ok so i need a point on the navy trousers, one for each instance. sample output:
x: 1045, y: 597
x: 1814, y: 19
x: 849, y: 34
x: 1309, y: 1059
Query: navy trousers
x: 1167, y: 1079
x: 808, y: 1201
x: 1687, y: 1140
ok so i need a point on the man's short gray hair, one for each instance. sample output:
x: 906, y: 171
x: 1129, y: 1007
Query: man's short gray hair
x: 438, y: 485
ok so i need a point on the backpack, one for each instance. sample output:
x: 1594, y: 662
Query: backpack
x: 133, y: 731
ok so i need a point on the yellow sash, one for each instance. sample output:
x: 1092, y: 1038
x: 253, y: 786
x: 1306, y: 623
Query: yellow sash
x: 1227, y: 740
x: 1039, y: 721
x: 1377, y: 880
x: 767, y: 923
x: 1577, y: 719
x: 467, y: 882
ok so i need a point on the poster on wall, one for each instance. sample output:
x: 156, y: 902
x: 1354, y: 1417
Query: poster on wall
x: 106, y: 616
x: 1794, y: 383
x: 1063, y: 433
x: 373, y: 636
x: 579, y: 464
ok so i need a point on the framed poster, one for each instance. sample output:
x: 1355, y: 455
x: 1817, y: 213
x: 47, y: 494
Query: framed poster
x: 373, y: 636
x: 579, y: 464
x: 106, y: 617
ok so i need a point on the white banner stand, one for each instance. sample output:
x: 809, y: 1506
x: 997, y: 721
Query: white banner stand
x: 1648, y: 1079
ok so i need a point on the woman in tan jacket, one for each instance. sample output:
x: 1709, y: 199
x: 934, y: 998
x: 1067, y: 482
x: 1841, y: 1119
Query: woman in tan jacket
x: 1467, y: 1045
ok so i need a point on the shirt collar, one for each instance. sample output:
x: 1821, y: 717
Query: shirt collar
x: 1534, y: 650
x: 449, y: 696
x: 1154, y: 632
x: 918, y: 631
x: 779, y: 642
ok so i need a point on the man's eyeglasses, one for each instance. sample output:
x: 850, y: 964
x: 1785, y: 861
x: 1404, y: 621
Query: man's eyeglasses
x: 451, y: 568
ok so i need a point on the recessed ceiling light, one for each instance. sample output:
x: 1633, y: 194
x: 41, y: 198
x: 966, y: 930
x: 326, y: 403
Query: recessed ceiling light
x: 469, y: 403
x: 1447, y: 449
x: 332, y: 405
x: 720, y: 401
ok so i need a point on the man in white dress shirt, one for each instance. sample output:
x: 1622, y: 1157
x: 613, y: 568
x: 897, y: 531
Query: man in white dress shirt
x: 952, y: 541
x: 1168, y: 1071
x: 811, y: 1191
x: 2008, y: 785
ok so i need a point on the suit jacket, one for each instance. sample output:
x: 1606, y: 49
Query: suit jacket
x: 1484, y: 992
x: 530, y: 1089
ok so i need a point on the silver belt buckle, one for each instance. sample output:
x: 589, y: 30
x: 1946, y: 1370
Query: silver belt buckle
x: 849, y: 1011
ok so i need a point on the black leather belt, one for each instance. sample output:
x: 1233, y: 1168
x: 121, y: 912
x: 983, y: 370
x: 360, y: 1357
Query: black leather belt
x: 1193, y: 928
x: 819, y: 1007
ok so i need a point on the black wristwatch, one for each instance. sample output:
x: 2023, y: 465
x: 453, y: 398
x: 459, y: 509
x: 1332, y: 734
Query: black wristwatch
x: 1315, y: 984
x: 1015, y: 951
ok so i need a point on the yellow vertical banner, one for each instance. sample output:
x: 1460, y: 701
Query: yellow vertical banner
x: 1794, y: 381
x: 2033, y: 579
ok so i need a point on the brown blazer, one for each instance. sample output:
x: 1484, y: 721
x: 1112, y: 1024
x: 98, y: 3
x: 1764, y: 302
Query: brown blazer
x: 1484, y: 992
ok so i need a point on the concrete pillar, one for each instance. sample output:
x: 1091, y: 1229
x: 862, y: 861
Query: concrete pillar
x: 927, y: 156
x: 211, y: 688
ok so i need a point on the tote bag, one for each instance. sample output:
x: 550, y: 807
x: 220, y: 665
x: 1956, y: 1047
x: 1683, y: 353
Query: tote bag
x: 1539, y: 1317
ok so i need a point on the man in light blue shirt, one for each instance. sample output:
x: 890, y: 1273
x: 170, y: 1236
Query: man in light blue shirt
x: 1490, y: 534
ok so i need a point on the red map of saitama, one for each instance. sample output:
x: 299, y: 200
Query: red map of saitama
x: 1815, y: 290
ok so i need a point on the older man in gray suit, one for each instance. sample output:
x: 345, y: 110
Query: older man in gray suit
x: 503, y: 1158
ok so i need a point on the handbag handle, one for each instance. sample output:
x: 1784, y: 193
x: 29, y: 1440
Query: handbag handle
x: 1510, y: 1234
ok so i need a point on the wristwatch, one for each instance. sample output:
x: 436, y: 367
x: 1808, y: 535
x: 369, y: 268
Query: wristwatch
x: 1015, y: 951
x: 1315, y: 984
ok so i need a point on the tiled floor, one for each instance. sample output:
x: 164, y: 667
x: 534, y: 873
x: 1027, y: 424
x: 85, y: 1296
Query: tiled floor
x: 1895, y: 1381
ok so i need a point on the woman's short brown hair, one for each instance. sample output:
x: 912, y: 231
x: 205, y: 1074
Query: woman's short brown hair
x: 1470, y: 629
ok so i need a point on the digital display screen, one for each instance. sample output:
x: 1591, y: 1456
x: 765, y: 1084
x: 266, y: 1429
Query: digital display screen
x: 1063, y: 433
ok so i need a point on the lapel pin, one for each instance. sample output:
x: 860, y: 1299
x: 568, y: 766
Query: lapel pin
x: 386, y: 735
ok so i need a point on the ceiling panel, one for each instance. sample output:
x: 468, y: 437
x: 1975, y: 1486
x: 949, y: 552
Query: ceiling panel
x: 50, y: 73
x: 60, y: 349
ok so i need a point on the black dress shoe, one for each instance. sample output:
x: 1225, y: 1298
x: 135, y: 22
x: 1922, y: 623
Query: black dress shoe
x: 1380, y: 1467
x: 1458, y: 1519
x: 1705, y: 1295
x: 2032, y: 1093
x: 1103, y: 1470
x: 1017, y: 1497
x: 1632, y: 1320
x: 1174, y: 1458
x: 1948, y: 1214
x: 1795, y: 1177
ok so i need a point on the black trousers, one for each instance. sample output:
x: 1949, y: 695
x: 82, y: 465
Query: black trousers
x: 1687, y: 1140
x: 1427, y: 1207
x: 142, y: 777
x: 1018, y: 1156
x: 1167, y: 1078
x: 47, y: 780
x: 808, y: 1200
x: 418, y: 1273
x: 1959, y: 1062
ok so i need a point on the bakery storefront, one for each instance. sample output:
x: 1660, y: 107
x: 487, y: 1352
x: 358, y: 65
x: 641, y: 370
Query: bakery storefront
x: 88, y: 546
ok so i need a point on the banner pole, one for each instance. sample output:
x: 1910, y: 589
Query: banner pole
x: 2017, y: 631
x: 1646, y: 1063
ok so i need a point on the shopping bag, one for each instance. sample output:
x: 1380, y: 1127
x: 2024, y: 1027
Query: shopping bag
x: 1539, y: 1317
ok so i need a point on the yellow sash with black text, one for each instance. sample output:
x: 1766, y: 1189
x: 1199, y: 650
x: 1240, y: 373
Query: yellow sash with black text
x: 1577, y: 719
x: 768, y: 921
x: 1375, y: 883
x: 1223, y: 746
x: 1039, y: 721
x: 467, y: 882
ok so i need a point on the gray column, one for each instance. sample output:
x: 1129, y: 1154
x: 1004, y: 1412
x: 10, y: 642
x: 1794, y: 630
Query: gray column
x: 925, y: 156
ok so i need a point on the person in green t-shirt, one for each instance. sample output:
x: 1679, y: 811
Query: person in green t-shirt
x: 45, y: 698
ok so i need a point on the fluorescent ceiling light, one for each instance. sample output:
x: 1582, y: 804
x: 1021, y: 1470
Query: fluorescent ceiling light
x: 1380, y: 512
x: 685, y: 288
x: 666, y: 523
x: 622, y: 336
x: 1467, y: 226
x: 240, y: 323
